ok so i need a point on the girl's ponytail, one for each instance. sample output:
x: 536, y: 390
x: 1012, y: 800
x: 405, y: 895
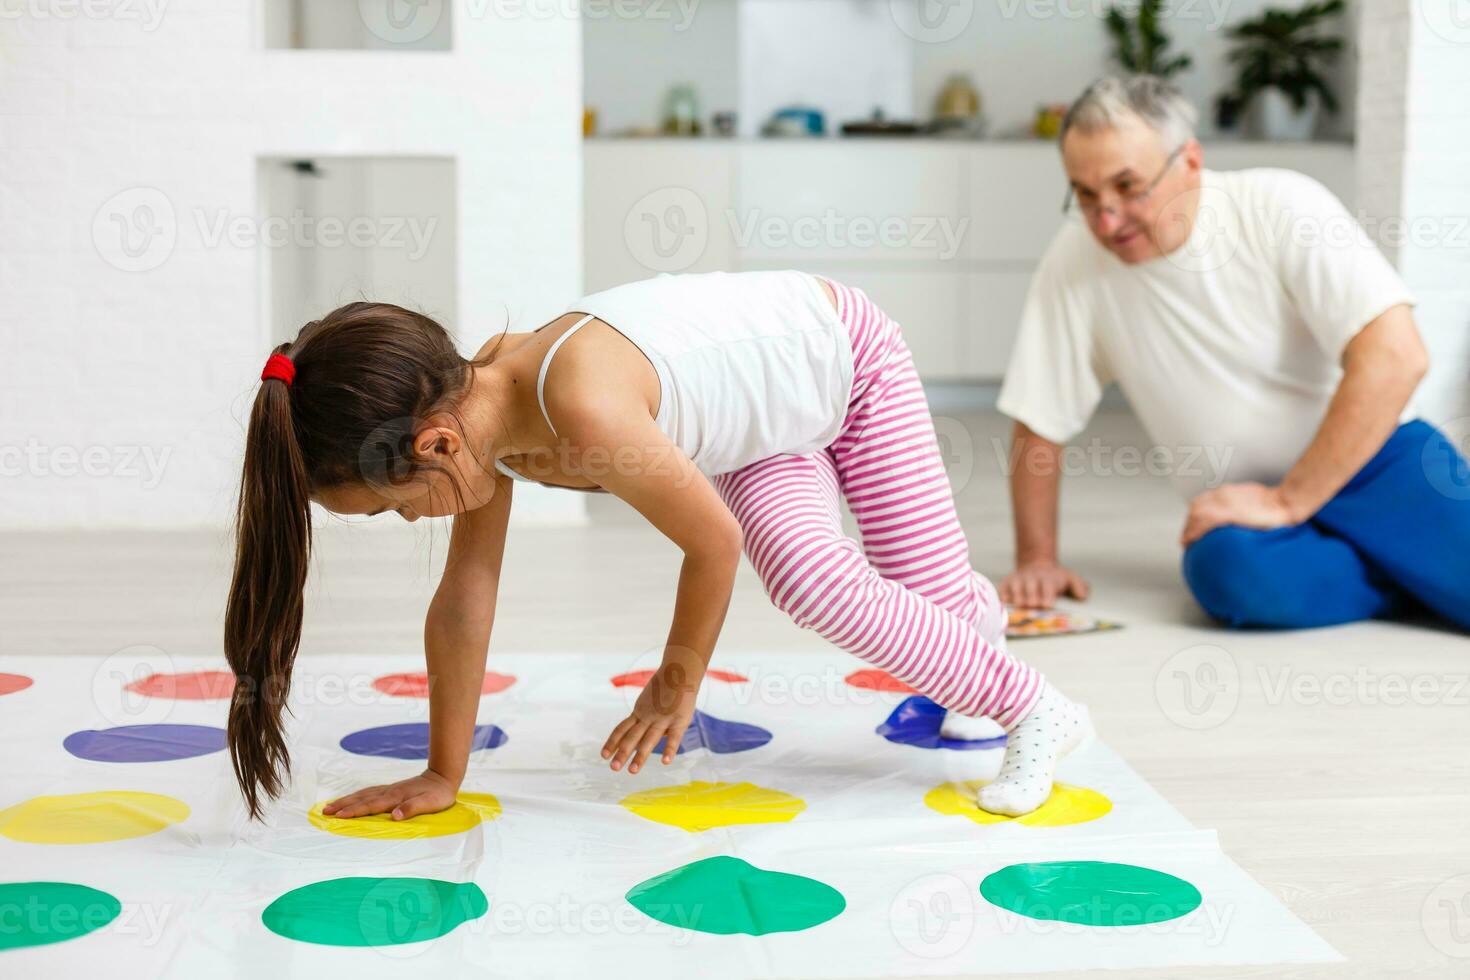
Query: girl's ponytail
x: 360, y: 371
x: 264, y: 611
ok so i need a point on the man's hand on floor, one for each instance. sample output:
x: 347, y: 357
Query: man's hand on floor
x: 1252, y: 505
x: 1038, y: 584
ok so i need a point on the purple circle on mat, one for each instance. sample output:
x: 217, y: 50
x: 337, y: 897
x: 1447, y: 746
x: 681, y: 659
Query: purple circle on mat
x: 718, y: 735
x: 145, y: 743
x: 411, y: 741
x: 916, y: 721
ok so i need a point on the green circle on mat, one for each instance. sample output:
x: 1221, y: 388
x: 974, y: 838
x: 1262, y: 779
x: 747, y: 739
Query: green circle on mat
x: 1092, y: 893
x: 725, y: 895
x: 36, y: 913
x: 374, y: 911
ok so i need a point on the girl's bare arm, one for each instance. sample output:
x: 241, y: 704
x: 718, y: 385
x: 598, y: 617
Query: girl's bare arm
x: 456, y: 640
x: 457, y: 630
x: 618, y: 446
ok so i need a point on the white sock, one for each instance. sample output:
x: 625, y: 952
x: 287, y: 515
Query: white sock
x: 1054, y: 727
x: 967, y: 729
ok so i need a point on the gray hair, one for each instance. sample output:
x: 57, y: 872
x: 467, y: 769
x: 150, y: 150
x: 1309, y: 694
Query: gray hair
x: 1108, y: 102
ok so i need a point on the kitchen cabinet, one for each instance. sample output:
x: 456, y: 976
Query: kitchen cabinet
x: 880, y: 203
x: 655, y: 206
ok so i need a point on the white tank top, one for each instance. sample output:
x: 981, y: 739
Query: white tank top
x: 749, y: 364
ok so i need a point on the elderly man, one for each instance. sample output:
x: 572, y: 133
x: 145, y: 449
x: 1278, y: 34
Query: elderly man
x: 1249, y: 321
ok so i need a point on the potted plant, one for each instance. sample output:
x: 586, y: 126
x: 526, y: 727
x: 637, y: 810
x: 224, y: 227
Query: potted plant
x: 1139, y: 45
x: 1279, y: 58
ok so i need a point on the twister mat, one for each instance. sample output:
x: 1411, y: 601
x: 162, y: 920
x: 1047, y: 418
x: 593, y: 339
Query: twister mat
x: 813, y: 825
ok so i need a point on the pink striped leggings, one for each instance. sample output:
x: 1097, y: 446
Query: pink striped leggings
x: 906, y: 601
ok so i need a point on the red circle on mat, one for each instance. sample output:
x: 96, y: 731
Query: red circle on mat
x: 10, y: 683
x: 199, y: 685
x: 878, y: 680
x: 416, y: 685
x: 639, y: 678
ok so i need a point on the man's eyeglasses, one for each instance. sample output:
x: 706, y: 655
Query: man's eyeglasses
x: 1092, y: 210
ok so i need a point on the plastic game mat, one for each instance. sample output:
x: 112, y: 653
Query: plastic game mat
x: 813, y: 825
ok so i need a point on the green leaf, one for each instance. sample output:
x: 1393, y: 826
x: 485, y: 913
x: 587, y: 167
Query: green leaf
x: 1286, y: 49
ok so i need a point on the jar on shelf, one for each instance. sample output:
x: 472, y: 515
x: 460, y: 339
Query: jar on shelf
x: 681, y: 112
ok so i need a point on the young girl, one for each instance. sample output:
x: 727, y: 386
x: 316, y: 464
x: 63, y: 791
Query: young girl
x: 731, y: 410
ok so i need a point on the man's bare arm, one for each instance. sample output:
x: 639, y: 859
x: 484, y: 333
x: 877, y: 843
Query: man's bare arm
x: 1382, y: 366
x: 1035, y: 494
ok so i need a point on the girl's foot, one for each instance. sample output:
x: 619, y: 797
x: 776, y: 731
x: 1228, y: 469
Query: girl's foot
x: 966, y: 729
x: 1054, y: 727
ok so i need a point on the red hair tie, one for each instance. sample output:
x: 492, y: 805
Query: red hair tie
x: 279, y: 367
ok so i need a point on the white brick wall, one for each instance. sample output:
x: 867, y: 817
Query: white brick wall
x: 1414, y: 176
x: 118, y: 118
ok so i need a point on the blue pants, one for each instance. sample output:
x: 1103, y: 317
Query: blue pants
x: 1397, y: 536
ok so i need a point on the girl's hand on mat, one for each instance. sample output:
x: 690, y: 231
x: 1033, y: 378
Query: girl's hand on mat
x: 1037, y: 584
x: 427, y: 793
x: 664, y: 709
x: 1252, y: 505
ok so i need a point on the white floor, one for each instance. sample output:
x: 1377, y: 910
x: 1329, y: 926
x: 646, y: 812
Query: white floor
x: 1338, y: 780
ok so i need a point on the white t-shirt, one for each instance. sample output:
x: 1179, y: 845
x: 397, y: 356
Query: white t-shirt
x: 750, y: 364
x: 1228, y: 349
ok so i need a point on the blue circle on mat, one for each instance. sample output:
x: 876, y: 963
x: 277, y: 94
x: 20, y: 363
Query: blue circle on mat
x: 411, y: 741
x: 718, y: 735
x: 145, y: 743
x: 916, y: 721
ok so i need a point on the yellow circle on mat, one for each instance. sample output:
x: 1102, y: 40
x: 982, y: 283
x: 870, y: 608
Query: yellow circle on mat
x: 1066, y: 805
x: 466, y: 814
x: 699, y: 806
x: 90, y: 818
